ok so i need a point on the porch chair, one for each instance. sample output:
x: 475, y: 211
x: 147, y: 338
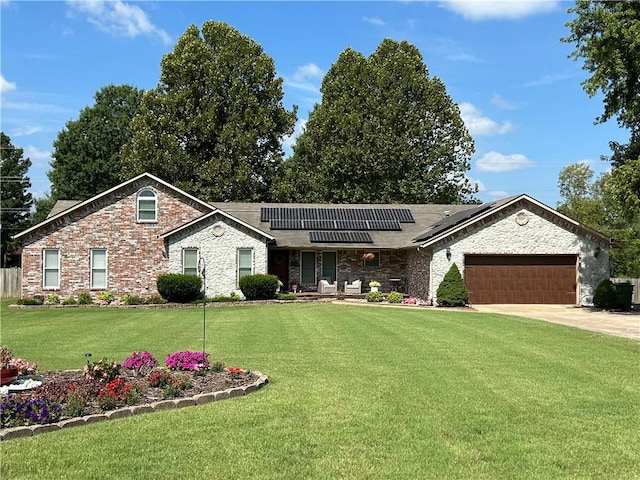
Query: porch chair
x: 326, y: 288
x: 353, y: 287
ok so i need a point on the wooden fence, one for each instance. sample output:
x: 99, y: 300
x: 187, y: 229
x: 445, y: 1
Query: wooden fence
x: 10, y: 282
x: 635, y: 298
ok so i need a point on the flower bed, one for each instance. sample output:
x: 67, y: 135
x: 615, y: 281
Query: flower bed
x: 103, y: 386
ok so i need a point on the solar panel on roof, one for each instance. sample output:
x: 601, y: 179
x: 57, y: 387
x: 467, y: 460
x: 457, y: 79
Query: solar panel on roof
x: 340, y: 237
x: 304, y: 218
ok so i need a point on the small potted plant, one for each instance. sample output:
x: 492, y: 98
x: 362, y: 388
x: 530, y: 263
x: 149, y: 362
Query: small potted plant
x: 294, y: 285
x: 374, y: 285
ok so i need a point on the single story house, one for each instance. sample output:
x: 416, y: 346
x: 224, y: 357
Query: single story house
x: 514, y: 250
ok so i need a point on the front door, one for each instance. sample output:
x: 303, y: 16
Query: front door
x: 279, y: 265
x: 329, y: 266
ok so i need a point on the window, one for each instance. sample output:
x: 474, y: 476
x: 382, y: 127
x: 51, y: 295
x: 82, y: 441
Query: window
x: 147, y: 206
x: 308, y: 268
x: 99, y: 268
x: 190, y: 261
x: 372, y: 259
x: 51, y: 268
x: 245, y: 262
x: 329, y: 266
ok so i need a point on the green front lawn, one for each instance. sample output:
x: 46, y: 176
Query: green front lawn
x: 355, y: 392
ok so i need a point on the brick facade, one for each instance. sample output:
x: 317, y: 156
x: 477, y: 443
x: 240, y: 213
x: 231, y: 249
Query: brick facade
x: 135, y: 253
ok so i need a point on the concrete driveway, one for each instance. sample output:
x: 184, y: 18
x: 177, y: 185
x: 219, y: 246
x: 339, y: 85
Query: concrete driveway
x: 622, y: 324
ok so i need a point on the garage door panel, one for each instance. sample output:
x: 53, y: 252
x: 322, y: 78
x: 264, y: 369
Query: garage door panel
x: 521, y: 278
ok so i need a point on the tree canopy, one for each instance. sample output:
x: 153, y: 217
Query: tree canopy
x: 15, y: 201
x: 605, y: 204
x: 384, y: 132
x: 607, y: 38
x: 86, y: 156
x: 214, y: 125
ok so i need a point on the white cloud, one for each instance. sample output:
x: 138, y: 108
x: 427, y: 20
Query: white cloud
x: 25, y: 131
x: 549, y: 79
x: 6, y: 86
x: 501, y: 103
x: 498, y: 162
x: 497, y: 193
x: 38, y: 157
x: 478, y: 124
x: 306, y: 72
x: 118, y: 18
x: 307, y: 77
x: 505, y: 9
x: 374, y: 21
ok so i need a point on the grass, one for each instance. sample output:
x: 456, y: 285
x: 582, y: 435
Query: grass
x: 356, y: 392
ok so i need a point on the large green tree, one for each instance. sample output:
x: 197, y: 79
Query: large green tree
x: 597, y: 203
x: 214, y: 125
x: 607, y: 37
x: 15, y: 200
x: 384, y: 132
x: 86, y: 156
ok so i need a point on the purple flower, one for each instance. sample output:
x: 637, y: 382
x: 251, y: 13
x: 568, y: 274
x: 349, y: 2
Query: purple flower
x: 188, y: 361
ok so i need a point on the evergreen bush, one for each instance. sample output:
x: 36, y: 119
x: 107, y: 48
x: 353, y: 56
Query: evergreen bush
x: 259, y: 286
x: 374, y: 297
x: 605, y: 296
x: 452, y: 292
x: 178, y: 287
x: 395, y: 297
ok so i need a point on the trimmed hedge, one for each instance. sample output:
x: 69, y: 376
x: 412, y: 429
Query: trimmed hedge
x: 259, y: 286
x: 179, y: 288
x: 452, y: 292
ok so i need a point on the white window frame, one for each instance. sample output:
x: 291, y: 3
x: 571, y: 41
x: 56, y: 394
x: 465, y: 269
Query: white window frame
x: 94, y: 269
x: 238, y: 267
x: 195, y: 267
x: 45, y: 268
x: 143, y: 197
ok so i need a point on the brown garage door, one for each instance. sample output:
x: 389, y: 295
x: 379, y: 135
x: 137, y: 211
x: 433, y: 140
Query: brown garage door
x: 521, y: 278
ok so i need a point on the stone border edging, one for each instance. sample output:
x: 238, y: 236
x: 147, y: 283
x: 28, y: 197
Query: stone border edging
x: 199, y: 399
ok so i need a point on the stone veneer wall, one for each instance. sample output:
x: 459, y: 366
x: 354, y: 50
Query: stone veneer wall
x: 220, y: 252
x: 134, y: 251
x: 542, y: 234
x: 418, y: 274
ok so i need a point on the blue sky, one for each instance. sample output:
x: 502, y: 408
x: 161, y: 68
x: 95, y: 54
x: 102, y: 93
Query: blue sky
x: 502, y: 62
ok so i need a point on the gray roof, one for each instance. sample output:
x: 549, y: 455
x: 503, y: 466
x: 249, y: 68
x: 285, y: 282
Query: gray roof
x: 423, y: 215
x: 61, y: 206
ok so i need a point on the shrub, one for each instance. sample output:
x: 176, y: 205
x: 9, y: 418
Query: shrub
x: 217, y: 366
x: 131, y: 300
x: 105, y: 296
x: 102, y: 371
x: 374, y: 297
x: 178, y: 287
x: 188, y: 361
x: 69, y: 301
x: 52, y: 299
x: 232, y: 297
x: 155, y: 300
x: 452, y: 292
x: 140, y: 362
x: 29, y: 301
x: 605, y: 296
x: 84, y: 298
x: 287, y: 296
x: 259, y: 286
x: 395, y: 297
